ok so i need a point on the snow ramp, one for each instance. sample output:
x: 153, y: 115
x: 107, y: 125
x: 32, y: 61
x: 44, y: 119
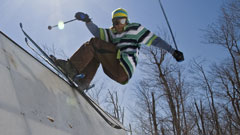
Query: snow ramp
x: 36, y: 101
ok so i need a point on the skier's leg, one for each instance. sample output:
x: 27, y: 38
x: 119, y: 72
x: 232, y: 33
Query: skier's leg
x: 87, y: 58
x: 106, y: 54
x: 120, y: 76
x: 83, y: 56
x: 89, y: 71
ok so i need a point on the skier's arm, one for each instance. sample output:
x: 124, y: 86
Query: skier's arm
x: 160, y: 43
x: 150, y: 38
x: 93, y: 28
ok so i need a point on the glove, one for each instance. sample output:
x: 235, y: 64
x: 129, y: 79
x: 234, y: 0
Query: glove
x: 178, y: 56
x: 82, y: 17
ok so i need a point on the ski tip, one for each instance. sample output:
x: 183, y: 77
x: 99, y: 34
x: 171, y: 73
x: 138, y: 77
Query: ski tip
x: 20, y: 24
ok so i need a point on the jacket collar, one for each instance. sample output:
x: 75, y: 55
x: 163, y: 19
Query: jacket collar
x: 114, y: 30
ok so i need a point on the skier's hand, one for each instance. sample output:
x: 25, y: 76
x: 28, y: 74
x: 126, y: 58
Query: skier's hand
x: 82, y: 17
x: 178, y: 56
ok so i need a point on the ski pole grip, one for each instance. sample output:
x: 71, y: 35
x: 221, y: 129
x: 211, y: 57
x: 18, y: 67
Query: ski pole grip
x: 82, y: 16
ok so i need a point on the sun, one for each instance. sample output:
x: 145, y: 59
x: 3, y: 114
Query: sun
x: 60, y: 25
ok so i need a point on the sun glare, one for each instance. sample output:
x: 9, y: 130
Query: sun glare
x: 60, y: 25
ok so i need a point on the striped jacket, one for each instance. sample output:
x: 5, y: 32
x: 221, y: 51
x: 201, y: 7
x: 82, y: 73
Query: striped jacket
x: 128, y: 44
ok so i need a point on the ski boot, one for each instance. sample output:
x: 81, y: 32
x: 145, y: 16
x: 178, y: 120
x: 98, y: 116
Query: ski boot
x: 68, y: 68
x: 82, y: 84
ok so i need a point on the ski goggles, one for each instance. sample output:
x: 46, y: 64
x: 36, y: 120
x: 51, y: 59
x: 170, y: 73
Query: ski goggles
x: 117, y: 21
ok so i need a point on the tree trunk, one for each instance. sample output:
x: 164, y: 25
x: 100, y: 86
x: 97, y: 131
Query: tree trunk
x: 154, y: 116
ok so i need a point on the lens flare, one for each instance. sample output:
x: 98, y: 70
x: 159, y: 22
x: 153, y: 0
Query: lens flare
x: 61, y: 25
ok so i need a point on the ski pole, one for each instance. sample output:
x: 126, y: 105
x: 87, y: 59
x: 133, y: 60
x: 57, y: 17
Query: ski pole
x: 168, y: 24
x: 50, y: 27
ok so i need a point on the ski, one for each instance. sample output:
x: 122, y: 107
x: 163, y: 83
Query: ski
x: 111, y: 121
x: 76, y: 78
x: 46, y: 57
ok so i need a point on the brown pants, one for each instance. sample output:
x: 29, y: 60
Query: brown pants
x: 89, y: 56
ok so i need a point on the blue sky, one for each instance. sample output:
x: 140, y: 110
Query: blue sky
x: 186, y: 17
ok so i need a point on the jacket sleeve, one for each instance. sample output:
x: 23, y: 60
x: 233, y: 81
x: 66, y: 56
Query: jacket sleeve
x: 160, y: 43
x: 103, y: 34
x: 145, y: 36
x: 148, y: 38
x: 93, y: 28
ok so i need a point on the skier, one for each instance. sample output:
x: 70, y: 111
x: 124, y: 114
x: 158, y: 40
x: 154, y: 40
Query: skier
x: 116, y: 48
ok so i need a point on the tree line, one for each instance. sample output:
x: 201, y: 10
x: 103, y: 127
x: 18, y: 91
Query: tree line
x: 199, y: 99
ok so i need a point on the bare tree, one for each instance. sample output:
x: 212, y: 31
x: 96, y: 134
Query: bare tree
x: 143, y: 111
x: 116, y: 110
x: 167, y: 83
x: 96, y: 93
x: 227, y: 74
x: 53, y: 50
x: 221, y: 84
x: 207, y: 84
x: 154, y: 116
x: 200, y: 112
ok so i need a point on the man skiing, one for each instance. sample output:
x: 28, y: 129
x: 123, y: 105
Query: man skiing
x: 116, y: 48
